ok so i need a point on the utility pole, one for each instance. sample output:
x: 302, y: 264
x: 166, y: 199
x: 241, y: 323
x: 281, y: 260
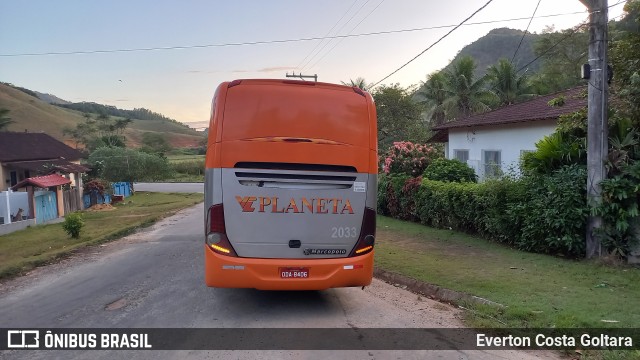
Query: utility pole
x: 597, y: 129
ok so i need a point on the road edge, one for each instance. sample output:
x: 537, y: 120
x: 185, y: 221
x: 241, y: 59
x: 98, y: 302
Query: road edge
x: 430, y: 290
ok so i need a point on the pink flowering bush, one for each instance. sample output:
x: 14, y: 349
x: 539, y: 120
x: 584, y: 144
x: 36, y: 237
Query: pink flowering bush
x: 405, y: 157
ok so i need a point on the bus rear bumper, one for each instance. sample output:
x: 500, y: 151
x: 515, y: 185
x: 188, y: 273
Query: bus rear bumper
x: 265, y: 274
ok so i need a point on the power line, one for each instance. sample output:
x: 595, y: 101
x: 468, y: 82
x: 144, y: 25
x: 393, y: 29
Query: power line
x: 525, y: 31
x: 570, y: 34
x: 432, y: 45
x: 341, y: 27
x: 280, y: 41
x: 328, y: 32
x: 573, y: 31
x: 355, y: 27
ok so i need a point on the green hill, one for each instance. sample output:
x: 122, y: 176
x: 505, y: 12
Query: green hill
x: 32, y: 114
x: 501, y: 43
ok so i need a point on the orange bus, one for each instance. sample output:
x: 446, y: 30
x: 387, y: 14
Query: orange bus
x: 290, y: 186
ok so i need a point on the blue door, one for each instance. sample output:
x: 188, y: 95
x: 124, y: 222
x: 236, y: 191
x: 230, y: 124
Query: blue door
x: 46, y: 207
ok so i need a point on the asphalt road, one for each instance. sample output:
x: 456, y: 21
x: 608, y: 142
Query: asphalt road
x: 154, y: 278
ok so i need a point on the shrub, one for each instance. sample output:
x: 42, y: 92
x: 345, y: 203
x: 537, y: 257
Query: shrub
x: 116, y: 164
x: 72, y: 224
x: 619, y: 209
x: 407, y: 158
x: 539, y: 213
x: 450, y: 170
x: 193, y: 167
x: 554, y: 212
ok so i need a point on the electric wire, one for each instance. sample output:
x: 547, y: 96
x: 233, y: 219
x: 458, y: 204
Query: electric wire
x: 350, y: 32
x: 328, y: 32
x: 525, y: 31
x: 570, y: 34
x: 278, y: 41
x: 432, y: 45
x: 337, y: 32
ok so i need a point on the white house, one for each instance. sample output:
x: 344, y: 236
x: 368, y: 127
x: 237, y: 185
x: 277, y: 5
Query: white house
x: 493, y: 142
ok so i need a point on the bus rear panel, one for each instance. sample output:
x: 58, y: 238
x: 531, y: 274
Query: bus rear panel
x: 290, y: 186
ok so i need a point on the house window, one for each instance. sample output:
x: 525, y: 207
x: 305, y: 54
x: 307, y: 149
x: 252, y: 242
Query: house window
x: 14, y: 177
x: 461, y: 155
x: 492, y: 163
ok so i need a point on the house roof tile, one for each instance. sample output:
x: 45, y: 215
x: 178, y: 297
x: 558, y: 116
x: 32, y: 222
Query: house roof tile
x: 531, y: 110
x: 42, y: 181
x: 49, y: 165
x: 18, y: 146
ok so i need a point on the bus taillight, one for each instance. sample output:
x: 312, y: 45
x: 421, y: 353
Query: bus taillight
x: 216, y: 233
x: 367, y: 237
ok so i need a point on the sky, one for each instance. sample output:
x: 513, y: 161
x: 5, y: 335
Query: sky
x: 179, y: 82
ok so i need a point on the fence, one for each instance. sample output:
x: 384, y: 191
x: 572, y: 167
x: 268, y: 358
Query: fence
x: 122, y: 188
x: 71, y: 201
x: 119, y: 188
x: 10, y: 203
x: 46, y: 207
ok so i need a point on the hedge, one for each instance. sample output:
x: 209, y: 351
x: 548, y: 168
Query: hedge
x: 546, y: 214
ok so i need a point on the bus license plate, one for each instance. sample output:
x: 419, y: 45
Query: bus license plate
x: 294, y: 273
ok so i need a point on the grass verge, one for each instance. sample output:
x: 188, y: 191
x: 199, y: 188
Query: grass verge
x: 538, y: 291
x: 35, y: 246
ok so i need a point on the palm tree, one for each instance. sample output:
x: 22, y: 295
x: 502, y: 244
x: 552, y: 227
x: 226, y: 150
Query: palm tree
x: 507, y: 84
x: 4, y: 119
x: 359, y: 82
x: 431, y: 93
x: 465, y: 95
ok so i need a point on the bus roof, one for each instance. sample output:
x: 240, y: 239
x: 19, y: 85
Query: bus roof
x: 265, y: 108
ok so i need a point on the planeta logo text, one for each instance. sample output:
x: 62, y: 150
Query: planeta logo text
x: 297, y: 206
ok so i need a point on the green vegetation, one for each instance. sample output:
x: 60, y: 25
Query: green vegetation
x: 399, y: 116
x: 73, y: 224
x: 450, y: 170
x: 501, y: 43
x: 155, y: 143
x: 118, y: 164
x: 544, y: 214
x: 5, y: 120
x: 537, y: 290
x: 97, y: 132
x: 140, y: 113
x: 23, y: 250
x: 32, y: 114
x: 186, y: 168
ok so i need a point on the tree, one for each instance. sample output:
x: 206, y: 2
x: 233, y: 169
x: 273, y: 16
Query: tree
x: 465, y: 95
x: 155, y: 143
x: 118, y: 164
x: 83, y: 132
x: 432, y: 95
x: 625, y: 60
x: 563, y: 53
x: 505, y: 82
x: 5, y: 120
x: 99, y: 132
x: 399, y: 117
x: 359, y: 82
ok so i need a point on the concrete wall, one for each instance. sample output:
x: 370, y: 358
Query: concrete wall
x: 19, y: 225
x: 17, y: 200
x: 509, y: 139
